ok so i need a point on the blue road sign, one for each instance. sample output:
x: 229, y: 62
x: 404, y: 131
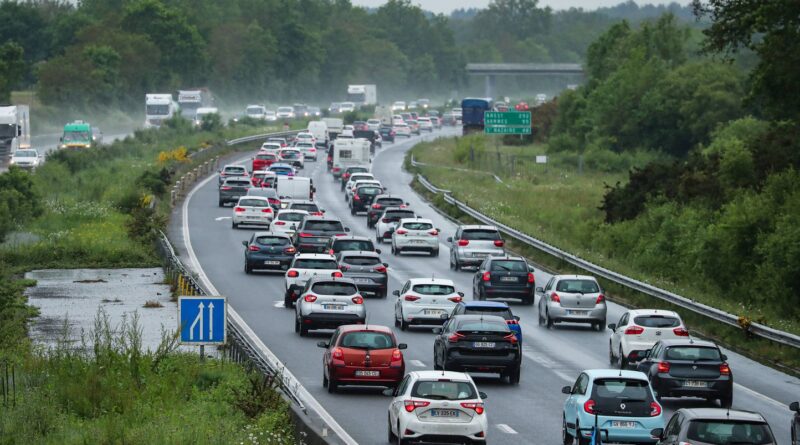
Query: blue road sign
x: 202, y: 320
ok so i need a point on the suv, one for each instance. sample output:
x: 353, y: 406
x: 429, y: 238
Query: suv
x: 415, y: 234
x: 472, y: 244
x: 268, y: 250
x: 231, y: 171
x: 313, y: 233
x: 703, y: 426
x: 380, y: 203
x: 304, y: 267
x: 350, y: 242
x: 504, y: 277
x: 232, y: 189
x: 638, y: 330
x: 574, y: 299
x: 327, y: 303
x: 263, y: 160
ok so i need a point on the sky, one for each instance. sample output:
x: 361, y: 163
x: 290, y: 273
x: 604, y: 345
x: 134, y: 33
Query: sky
x: 446, y: 6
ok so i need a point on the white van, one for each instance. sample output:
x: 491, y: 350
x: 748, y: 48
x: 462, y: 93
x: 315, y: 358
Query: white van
x: 320, y: 131
x: 295, y: 187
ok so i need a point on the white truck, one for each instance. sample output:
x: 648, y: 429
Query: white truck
x: 335, y: 126
x: 362, y: 95
x: 320, y: 131
x: 384, y: 113
x: 349, y: 152
x: 294, y: 187
x: 158, y: 108
x: 15, y: 129
x: 192, y: 100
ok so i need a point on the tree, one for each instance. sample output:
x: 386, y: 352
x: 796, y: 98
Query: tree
x: 12, y: 68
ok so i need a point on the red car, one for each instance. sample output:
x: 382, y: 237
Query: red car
x: 362, y: 355
x: 522, y: 106
x: 262, y: 161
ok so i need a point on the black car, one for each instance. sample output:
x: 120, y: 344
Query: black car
x: 387, y: 133
x: 232, y: 189
x: 795, y: 406
x: 366, y: 270
x: 313, y: 233
x: 362, y: 198
x: 481, y: 343
x: 711, y: 426
x: 341, y: 243
x: 379, y: 203
x: 688, y: 368
x: 268, y: 251
x: 349, y: 172
x: 504, y: 277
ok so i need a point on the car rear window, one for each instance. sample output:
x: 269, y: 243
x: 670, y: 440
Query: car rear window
x: 307, y: 207
x: 693, y: 353
x: 361, y: 260
x: 356, y: 170
x: 281, y: 169
x: 390, y: 202
x: 238, y: 183
x: 265, y: 192
x: 290, y: 154
x: 418, y: 226
x: 621, y: 396
x: 334, y: 288
x: 399, y: 214
x: 500, y: 312
x: 361, y: 177
x: 482, y: 326
x: 434, y: 289
x: 578, y: 286
x: 314, y: 263
x: 369, y: 190
x: 341, y: 246
x: 273, y: 241
x: 656, y: 321
x: 253, y: 202
x: 266, y: 157
x: 367, y: 340
x: 443, y: 390
x: 291, y: 216
x: 325, y: 226
x: 509, y: 266
x: 480, y: 235
x: 723, y: 432
x: 234, y: 170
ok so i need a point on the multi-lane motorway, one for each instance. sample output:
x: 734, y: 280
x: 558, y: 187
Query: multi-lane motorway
x: 529, y: 413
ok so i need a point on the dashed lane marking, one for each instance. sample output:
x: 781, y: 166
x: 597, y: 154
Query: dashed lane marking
x: 505, y: 428
x: 417, y: 363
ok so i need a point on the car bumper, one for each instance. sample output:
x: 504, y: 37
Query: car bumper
x: 346, y: 375
x: 639, y: 434
x: 559, y: 313
x: 440, y: 432
x: 374, y: 285
x: 328, y: 320
x: 505, y: 292
x: 425, y: 246
x: 231, y: 198
x: 244, y: 220
x: 674, y: 387
x: 483, y: 363
x: 269, y: 262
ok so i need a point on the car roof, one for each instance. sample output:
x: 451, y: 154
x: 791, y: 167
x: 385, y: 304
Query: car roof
x: 688, y: 342
x: 352, y: 238
x: 506, y: 258
x: 436, y: 375
x: 323, y: 279
x: 473, y: 317
x: 575, y: 277
x: 610, y: 373
x: 477, y: 227
x: 367, y: 327
x: 722, y: 414
x: 414, y: 281
x: 280, y: 164
x: 417, y: 219
x: 480, y: 304
x: 638, y: 312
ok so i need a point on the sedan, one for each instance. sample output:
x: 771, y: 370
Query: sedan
x: 362, y: 355
x: 268, y: 250
x: 327, y: 303
x: 367, y: 271
x: 252, y: 210
x: 504, y: 277
x: 425, y: 301
x: 573, y: 299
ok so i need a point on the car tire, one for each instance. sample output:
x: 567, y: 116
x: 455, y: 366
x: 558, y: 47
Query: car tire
x: 623, y: 361
x: 727, y: 401
x: 528, y: 301
x: 403, y: 322
x: 436, y: 365
x: 612, y: 360
x: 391, y: 436
x: 549, y: 321
x: 287, y: 301
x: 513, y: 376
x: 541, y: 318
x: 247, y: 268
x: 566, y: 437
x: 579, y: 440
x: 435, y: 253
x: 296, y: 325
x: 332, y: 386
x: 234, y: 225
x: 324, y: 380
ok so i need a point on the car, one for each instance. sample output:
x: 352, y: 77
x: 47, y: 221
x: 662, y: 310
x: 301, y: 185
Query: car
x: 473, y: 243
x: 351, y: 170
x: 399, y: 106
x: 271, y: 147
x: 387, y: 133
x: 432, y: 113
x: 285, y: 113
x: 689, y: 367
x: 292, y: 157
x: 287, y: 220
x: 282, y: 141
x: 795, y: 427
x: 436, y: 122
x: 300, y: 110
x: 313, y: 233
x: 270, y: 193
x: 310, y: 207
x: 263, y: 178
x: 572, y: 299
x: 314, y: 111
x: 373, y: 124
x: 424, y: 103
x: 305, y: 266
x: 257, y: 112
x: 308, y: 149
x: 425, y: 124
x: 478, y: 343
x: 346, y: 133
x: 363, y: 196
x: 262, y: 160
x: 379, y: 205
x: 335, y: 107
x: 305, y: 136
x: 327, y: 303
x: 713, y: 426
x: 498, y: 308
x: 504, y: 277
x: 621, y: 402
x: 402, y: 129
x: 282, y: 169
x: 430, y: 406
x: 252, y: 210
x: 412, y: 105
x: 347, y: 184
x: 425, y: 301
x: 638, y: 330
x: 270, y: 116
x: 232, y: 189
x: 389, y: 219
x: 231, y: 171
x: 413, y: 124
x: 415, y: 235
x: 358, y: 181
x: 346, y: 107
x: 268, y: 251
x: 338, y: 244
x: 366, y: 270
x: 448, y: 119
x: 26, y: 158
x: 362, y: 355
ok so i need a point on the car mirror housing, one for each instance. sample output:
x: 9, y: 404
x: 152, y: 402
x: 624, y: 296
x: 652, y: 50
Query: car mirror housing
x: 322, y: 344
x: 612, y: 326
x: 516, y: 317
x: 388, y: 392
x: 437, y: 330
x: 531, y: 269
x: 483, y: 395
x: 402, y: 346
x: 539, y: 290
x: 347, y: 229
x: 566, y: 389
x: 245, y: 243
x: 385, y: 264
x: 396, y: 293
x: 461, y: 294
x: 657, y: 433
x: 449, y: 239
x: 378, y: 251
x: 724, y: 357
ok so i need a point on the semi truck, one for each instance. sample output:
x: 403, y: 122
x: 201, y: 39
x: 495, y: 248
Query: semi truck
x: 77, y: 134
x: 362, y: 95
x: 158, y: 108
x: 15, y: 129
x: 191, y: 100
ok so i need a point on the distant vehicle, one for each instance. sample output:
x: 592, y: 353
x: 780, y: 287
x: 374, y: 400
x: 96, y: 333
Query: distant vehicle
x: 15, y: 128
x: 522, y: 106
x: 347, y: 152
x: 190, y: 100
x: 387, y: 133
x: 362, y: 355
x: 26, y: 158
x: 471, y: 244
x: 412, y: 105
x: 472, y: 113
x: 347, y: 107
x: 424, y: 103
x: 715, y: 426
x: 448, y: 119
x: 285, y: 113
x: 362, y: 95
x: 402, y: 130
x: 158, y: 108
x: 383, y: 114
x: 258, y: 112
x: 252, y: 210
x: 425, y: 124
x: 373, y: 124
x: 97, y: 136
x: 436, y: 122
x: 232, y: 171
x: 399, y: 106
x: 268, y: 251
x: 540, y: 99
x: 263, y: 178
x: 320, y: 131
x: 414, y: 126
x: 77, y: 134
x: 294, y: 187
x: 572, y: 299
x: 300, y: 110
x: 203, y: 112
x: 334, y: 125
x: 415, y: 235
x: 232, y: 189
x: 314, y: 112
x: 335, y: 107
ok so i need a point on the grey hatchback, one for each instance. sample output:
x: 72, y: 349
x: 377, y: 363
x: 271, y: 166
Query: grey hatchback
x: 232, y: 189
x: 367, y: 271
x: 472, y: 244
x: 715, y: 426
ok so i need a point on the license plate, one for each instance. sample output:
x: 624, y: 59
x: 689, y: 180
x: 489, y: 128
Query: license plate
x: 444, y: 413
x: 417, y: 241
x: 271, y: 263
x: 360, y: 373
x: 483, y: 344
x: 333, y: 307
x: 362, y: 280
x: 695, y: 384
x: 432, y: 312
x: 577, y: 312
x: 623, y: 424
x: 513, y: 279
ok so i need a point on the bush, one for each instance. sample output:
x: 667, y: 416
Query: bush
x: 19, y: 201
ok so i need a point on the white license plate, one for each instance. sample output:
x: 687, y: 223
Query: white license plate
x: 433, y: 312
x: 577, y: 312
x: 360, y: 373
x: 417, y: 241
x: 271, y: 263
x: 333, y: 307
x: 483, y: 344
x: 514, y: 279
x: 444, y: 413
x: 623, y: 424
x: 362, y: 280
x: 695, y: 384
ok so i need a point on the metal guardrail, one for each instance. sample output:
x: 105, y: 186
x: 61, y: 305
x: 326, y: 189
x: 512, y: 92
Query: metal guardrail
x: 758, y: 329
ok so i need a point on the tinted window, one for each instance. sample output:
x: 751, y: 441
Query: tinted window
x: 478, y: 235
x: 326, y: 226
x: 234, y: 170
x: 500, y: 312
x: 272, y: 240
x: 482, y: 326
x: 391, y: 202
x: 434, y: 289
x: 621, y: 396
x: 334, y: 288
x: 367, y: 340
x: 307, y: 207
x: 340, y: 246
x: 693, y: 353
x: 722, y: 432
x: 361, y: 260
x: 253, y: 203
x: 656, y: 321
x: 238, y: 183
x: 291, y: 216
x: 357, y: 170
x: 509, y: 265
x: 443, y: 390
x: 399, y: 214
x: 266, y: 157
x: 313, y: 263
x: 577, y: 286
x: 418, y: 226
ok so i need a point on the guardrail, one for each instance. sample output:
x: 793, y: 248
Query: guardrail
x: 758, y: 329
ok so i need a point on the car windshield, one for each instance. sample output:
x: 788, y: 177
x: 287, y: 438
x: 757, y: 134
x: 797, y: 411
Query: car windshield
x: 417, y: 226
x: 693, y: 353
x: 325, y: 226
x: 273, y: 240
x: 443, y: 390
x: 480, y: 235
x: 341, y: 246
x: 399, y: 214
x: 307, y: 207
x: 361, y: 260
x: 367, y: 340
x: 234, y: 170
x: 499, y: 311
x: 509, y: 266
x: 434, y: 289
x: 656, y: 321
x: 482, y: 326
x: 724, y: 432
x: 314, y: 263
x: 578, y: 286
x: 253, y: 202
x: 334, y: 288
x: 291, y: 216
x: 354, y: 170
x: 25, y: 154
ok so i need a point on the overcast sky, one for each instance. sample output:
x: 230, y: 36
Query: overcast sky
x: 446, y: 6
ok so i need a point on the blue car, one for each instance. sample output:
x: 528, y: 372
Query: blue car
x: 620, y: 402
x: 491, y: 308
x: 282, y: 169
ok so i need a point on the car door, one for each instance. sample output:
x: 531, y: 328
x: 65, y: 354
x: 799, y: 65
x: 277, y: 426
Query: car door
x: 618, y: 332
x: 397, y: 401
x: 326, y: 357
x: 544, y: 297
x: 578, y: 390
x: 399, y: 301
x: 672, y: 431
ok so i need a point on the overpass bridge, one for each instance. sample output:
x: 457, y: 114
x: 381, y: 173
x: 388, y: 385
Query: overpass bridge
x: 492, y: 70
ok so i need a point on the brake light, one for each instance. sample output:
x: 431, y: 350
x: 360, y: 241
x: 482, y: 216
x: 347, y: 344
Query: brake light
x: 499, y: 243
x: 397, y: 358
x: 486, y: 276
x: 512, y: 338
x: 433, y: 232
x: 555, y: 298
x: 356, y: 198
x: 336, y: 169
x: 358, y: 299
x: 463, y: 242
x: 336, y: 274
x: 225, y: 187
x: 724, y: 369
x: 380, y: 269
x: 477, y: 407
x: 338, y: 354
x: 253, y: 248
x: 310, y: 298
x: 290, y: 250
x: 266, y: 210
x: 280, y: 223
x: 455, y: 337
x: 456, y: 299
x: 588, y: 406
x: 401, y: 231
x: 512, y: 321
x: 634, y: 330
x: 655, y: 409
x: 292, y: 273
x: 376, y: 206
x: 304, y: 235
x: 411, y: 298
x: 600, y: 298
x: 681, y: 332
x: 411, y: 405
x: 531, y: 278
x: 663, y: 367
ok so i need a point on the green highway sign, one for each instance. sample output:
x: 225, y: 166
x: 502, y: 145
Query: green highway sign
x: 507, y: 122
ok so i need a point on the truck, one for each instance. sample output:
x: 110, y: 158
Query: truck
x: 335, y: 126
x: 362, y: 95
x: 190, y: 101
x: 77, y: 134
x: 472, y: 109
x: 294, y: 187
x: 158, y: 108
x: 384, y: 113
x: 15, y: 129
x: 348, y: 152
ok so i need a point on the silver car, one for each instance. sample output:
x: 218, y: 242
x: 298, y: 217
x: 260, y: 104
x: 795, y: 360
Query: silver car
x: 472, y: 244
x: 572, y: 299
x: 327, y: 303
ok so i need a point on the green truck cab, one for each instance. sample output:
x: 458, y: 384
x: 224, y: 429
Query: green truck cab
x: 77, y: 134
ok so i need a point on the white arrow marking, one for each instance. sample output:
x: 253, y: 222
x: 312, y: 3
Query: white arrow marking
x: 197, y: 319
x: 210, y: 321
x: 222, y: 218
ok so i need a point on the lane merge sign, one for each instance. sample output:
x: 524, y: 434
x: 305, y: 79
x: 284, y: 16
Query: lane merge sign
x: 507, y: 122
x: 202, y: 320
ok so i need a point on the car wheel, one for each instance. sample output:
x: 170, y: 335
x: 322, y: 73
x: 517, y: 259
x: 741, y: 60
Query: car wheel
x: 579, y: 439
x: 435, y: 253
x: 452, y: 266
x: 287, y: 301
x: 513, y: 376
x: 403, y: 322
x: 566, y: 437
x: 296, y: 325
x: 436, y: 365
x: 332, y: 385
x: 611, y: 359
x: 234, y: 225
x: 221, y: 204
x: 324, y: 380
x: 392, y: 438
x: 726, y: 402
x: 549, y: 320
x: 623, y: 361
x: 481, y: 296
x: 247, y: 268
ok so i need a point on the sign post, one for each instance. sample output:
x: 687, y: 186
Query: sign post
x: 202, y: 321
x: 507, y: 122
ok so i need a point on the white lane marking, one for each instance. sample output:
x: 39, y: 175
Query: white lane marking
x: 223, y: 218
x: 758, y: 395
x: 547, y: 363
x: 279, y: 304
x: 505, y: 428
x: 195, y: 265
x: 417, y: 363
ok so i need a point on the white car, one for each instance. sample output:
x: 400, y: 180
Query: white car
x: 270, y: 116
x: 327, y: 303
x: 306, y: 137
x: 287, y: 220
x: 348, y: 191
x: 305, y: 266
x: 437, y: 404
x: 271, y: 147
x: 638, y: 330
x: 425, y: 124
x: 399, y: 106
x: 356, y: 177
x: 401, y: 129
x: 374, y: 124
x: 346, y: 134
x: 308, y: 149
x: 388, y: 221
x: 292, y: 156
x: 425, y: 301
x: 415, y: 234
x: 256, y: 112
x: 252, y: 210
x: 26, y: 158
x: 345, y: 107
x: 285, y: 113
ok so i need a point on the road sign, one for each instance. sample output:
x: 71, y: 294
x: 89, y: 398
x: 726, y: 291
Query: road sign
x: 202, y: 320
x: 507, y: 122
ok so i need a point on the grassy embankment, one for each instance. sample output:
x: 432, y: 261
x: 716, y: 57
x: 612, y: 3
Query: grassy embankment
x: 559, y: 205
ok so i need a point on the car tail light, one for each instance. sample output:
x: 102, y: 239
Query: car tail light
x: 397, y: 358
x: 512, y: 321
x: 304, y: 235
x: 486, y: 276
x: 266, y: 210
x: 358, y: 299
x: 634, y: 330
x: 455, y: 337
x: 290, y: 249
x: 433, y: 232
x: 253, y: 248
x: 512, y: 338
x: 338, y: 354
x: 555, y: 298
x: 411, y: 298
x: 336, y: 274
x: 600, y: 298
x: 222, y: 173
x: 292, y: 274
x: 531, y: 278
x: 655, y: 409
x: 411, y: 405
x: 386, y: 220
x: 225, y: 187
x: 681, y: 332
x: 356, y: 197
x: 588, y: 406
x: 380, y: 269
x: 477, y: 407
x: 456, y: 299
x: 663, y: 367
x: 499, y: 243
x: 340, y: 234
x: 310, y: 298
x: 376, y: 206
x: 463, y: 242
x: 274, y: 201
x: 401, y: 231
x: 280, y: 223
x: 724, y: 369
x: 336, y: 169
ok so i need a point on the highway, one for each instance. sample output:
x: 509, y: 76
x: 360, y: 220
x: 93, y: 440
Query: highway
x: 46, y: 143
x: 529, y: 413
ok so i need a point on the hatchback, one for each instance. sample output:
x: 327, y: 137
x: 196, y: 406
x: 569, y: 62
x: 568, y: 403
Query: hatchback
x: 232, y: 189
x: 473, y: 243
x: 388, y: 219
x: 715, y: 426
x: 573, y: 299
x: 504, y: 277
x: 292, y: 157
x: 498, y: 308
x: 415, y: 235
x: 327, y: 303
x: 282, y: 169
x: 231, y: 171
x: 638, y: 330
x: 268, y: 251
x: 401, y: 129
x: 366, y: 270
x: 387, y: 133
x: 252, y: 210
x: 287, y: 220
x: 425, y: 301
x: 304, y: 204
x: 425, y: 124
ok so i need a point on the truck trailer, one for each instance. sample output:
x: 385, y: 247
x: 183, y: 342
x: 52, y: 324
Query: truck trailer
x: 15, y: 129
x: 362, y: 95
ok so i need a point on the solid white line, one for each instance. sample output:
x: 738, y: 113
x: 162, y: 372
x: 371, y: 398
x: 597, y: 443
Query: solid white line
x: 505, y: 428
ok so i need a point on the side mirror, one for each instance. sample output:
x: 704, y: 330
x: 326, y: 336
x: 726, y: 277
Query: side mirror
x: 516, y: 317
x: 438, y: 229
x: 613, y: 327
x: 531, y: 269
x: 566, y: 389
x: 646, y: 353
x: 245, y: 243
x: 408, y: 204
x: 402, y: 346
x: 347, y: 229
x: 322, y: 344
x: 388, y: 392
x: 385, y: 264
x: 657, y: 433
x: 449, y: 239
x: 378, y: 251
x: 396, y: 293
x: 461, y: 294
x: 437, y: 330
x: 795, y: 406
x: 724, y: 357
x: 483, y: 395
x: 539, y: 290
